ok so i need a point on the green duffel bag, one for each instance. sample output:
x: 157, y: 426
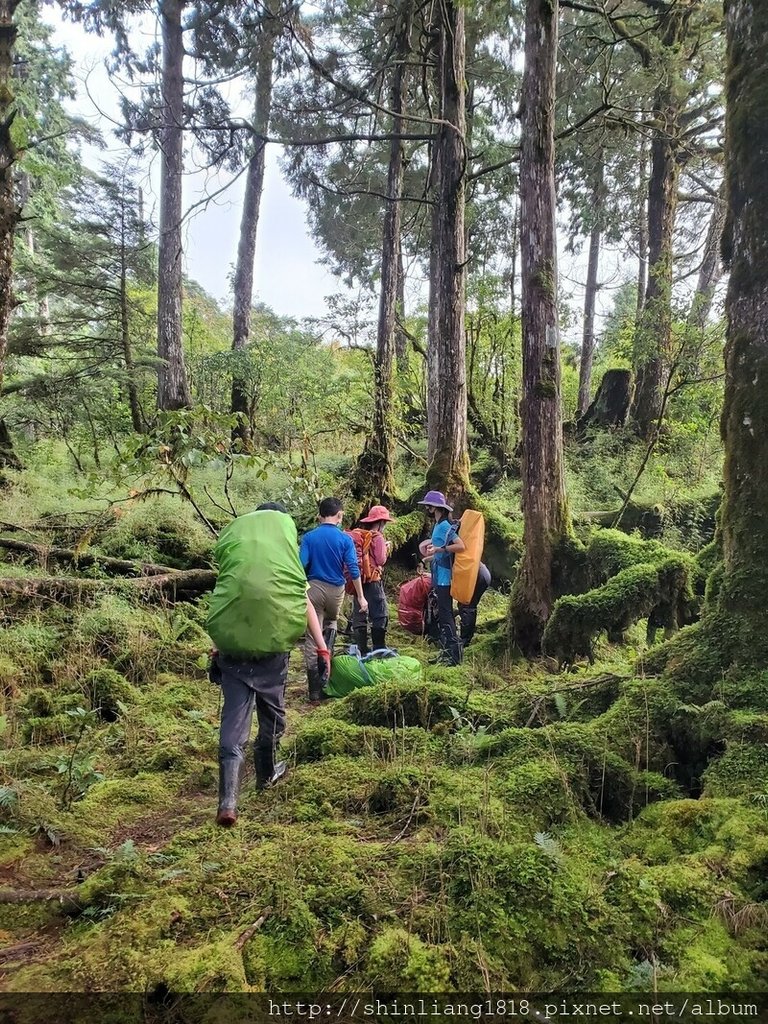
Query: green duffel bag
x: 401, y: 669
x: 349, y: 673
x: 259, y: 606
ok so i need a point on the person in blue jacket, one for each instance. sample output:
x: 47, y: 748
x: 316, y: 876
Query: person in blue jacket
x: 326, y: 552
x: 443, y: 544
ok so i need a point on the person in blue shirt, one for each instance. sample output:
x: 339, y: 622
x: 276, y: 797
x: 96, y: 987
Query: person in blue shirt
x: 443, y: 544
x: 325, y: 553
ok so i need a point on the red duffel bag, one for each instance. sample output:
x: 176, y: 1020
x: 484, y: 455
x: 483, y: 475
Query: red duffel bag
x: 411, y: 601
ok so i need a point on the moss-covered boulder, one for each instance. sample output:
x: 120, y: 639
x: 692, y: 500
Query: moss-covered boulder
x: 109, y: 693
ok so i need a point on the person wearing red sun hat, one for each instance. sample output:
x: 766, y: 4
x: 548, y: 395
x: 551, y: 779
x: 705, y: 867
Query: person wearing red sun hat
x: 372, y: 553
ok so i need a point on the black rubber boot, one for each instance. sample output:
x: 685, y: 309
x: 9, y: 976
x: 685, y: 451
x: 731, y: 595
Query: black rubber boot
x: 267, y: 772
x: 451, y: 649
x: 229, y: 787
x: 329, y: 635
x: 314, y: 685
x: 378, y: 638
x: 467, y: 623
x: 361, y: 639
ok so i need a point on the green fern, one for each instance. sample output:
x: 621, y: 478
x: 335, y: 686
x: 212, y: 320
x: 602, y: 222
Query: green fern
x: 550, y: 847
x: 8, y: 796
x: 711, y: 707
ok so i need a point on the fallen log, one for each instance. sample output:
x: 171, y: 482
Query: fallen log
x: 19, y: 950
x: 172, y: 586
x: 648, y: 519
x: 691, y: 516
x: 84, y: 560
x: 68, y: 898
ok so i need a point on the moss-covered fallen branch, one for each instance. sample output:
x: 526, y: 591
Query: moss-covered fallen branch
x: 693, y: 517
x: 170, y: 586
x: 67, y: 898
x: 84, y: 560
x: 405, y: 528
x: 659, y: 593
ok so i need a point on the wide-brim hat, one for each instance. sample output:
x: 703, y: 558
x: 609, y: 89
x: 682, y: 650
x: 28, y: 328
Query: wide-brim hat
x: 378, y: 514
x: 436, y: 499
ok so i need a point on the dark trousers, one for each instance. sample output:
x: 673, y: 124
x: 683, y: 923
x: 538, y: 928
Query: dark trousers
x: 259, y: 684
x: 378, y: 612
x: 449, y: 640
x: 468, y: 612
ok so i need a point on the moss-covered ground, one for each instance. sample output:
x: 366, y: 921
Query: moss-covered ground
x: 495, y: 826
x: 498, y: 826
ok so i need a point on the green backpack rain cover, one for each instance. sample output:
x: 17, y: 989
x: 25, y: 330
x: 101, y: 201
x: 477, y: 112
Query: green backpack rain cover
x: 401, y: 669
x: 348, y: 673
x: 259, y: 606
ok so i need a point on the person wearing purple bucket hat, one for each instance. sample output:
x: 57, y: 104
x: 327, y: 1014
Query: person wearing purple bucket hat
x: 443, y: 543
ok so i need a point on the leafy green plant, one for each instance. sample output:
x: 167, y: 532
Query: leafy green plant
x: 467, y: 724
x: 78, y: 768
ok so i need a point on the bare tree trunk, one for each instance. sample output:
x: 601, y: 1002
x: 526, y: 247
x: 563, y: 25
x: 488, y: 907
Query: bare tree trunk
x: 590, y: 295
x: 172, y: 386
x: 642, y: 236
x: 140, y: 214
x: 513, y: 261
x: 401, y: 340
x: 10, y: 211
x: 43, y: 306
x: 710, y: 271
x: 545, y: 511
x: 588, y: 335
x: 610, y: 405
x: 375, y: 478
x: 653, y: 338
x: 249, y: 225
x: 137, y: 420
x: 654, y: 335
x: 446, y: 367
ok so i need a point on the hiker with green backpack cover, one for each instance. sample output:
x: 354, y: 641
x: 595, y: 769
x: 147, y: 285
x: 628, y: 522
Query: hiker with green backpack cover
x: 258, y: 611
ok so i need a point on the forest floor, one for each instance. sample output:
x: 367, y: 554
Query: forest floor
x: 500, y: 826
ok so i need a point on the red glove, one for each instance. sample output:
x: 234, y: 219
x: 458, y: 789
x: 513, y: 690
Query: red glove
x: 324, y: 664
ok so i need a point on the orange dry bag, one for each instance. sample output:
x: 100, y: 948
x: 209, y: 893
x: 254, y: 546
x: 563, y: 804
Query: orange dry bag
x: 466, y: 563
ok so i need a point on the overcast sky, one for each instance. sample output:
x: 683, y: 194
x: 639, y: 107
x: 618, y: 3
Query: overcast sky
x: 287, y: 275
